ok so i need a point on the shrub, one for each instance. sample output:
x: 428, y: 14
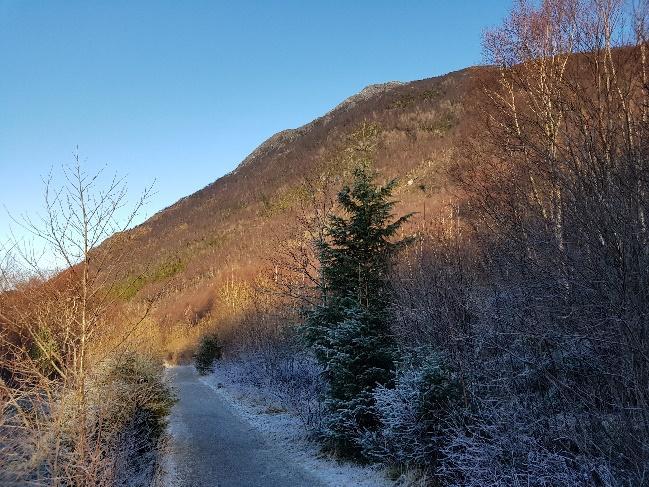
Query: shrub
x: 136, y: 384
x: 129, y: 404
x: 45, y: 350
x: 413, y: 413
x: 286, y: 377
x: 209, y: 351
x: 501, y: 444
x: 54, y: 431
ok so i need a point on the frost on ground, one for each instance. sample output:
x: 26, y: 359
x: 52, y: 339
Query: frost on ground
x: 262, y: 408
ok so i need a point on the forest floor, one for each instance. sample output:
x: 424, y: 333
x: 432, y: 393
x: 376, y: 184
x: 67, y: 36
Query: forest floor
x: 219, y: 438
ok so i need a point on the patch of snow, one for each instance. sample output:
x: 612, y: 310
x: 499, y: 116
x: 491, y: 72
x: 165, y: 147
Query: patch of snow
x: 285, y: 429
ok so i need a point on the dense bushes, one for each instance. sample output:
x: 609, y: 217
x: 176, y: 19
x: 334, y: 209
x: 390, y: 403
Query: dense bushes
x: 136, y: 383
x: 556, y: 355
x: 136, y: 413
x: 116, y: 421
x: 209, y: 351
x: 413, y: 414
x: 288, y: 378
x: 514, y: 421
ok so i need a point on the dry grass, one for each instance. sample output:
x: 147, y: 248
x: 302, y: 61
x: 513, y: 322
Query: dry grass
x: 50, y: 434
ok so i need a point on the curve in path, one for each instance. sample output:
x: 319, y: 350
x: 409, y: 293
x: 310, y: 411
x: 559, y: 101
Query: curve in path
x: 210, y: 445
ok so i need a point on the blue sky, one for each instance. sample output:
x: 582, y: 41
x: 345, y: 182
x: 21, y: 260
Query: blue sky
x: 181, y: 92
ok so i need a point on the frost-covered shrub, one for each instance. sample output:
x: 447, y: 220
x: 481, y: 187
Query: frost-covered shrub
x: 209, y: 351
x: 137, y: 390
x: 358, y: 357
x: 119, y: 420
x: 502, y: 445
x: 288, y: 377
x: 134, y: 418
x: 413, y: 413
x: 299, y: 386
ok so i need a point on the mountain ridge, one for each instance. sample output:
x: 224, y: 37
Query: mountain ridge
x: 286, y: 136
x: 237, y: 221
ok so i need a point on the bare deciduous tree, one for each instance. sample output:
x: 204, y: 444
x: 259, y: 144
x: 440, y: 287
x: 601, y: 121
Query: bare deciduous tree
x: 60, y: 332
x: 551, y: 339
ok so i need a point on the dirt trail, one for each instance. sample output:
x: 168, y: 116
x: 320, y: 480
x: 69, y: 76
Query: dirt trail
x: 211, y: 445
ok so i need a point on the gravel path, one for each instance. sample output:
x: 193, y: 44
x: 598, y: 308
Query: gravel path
x: 210, y: 445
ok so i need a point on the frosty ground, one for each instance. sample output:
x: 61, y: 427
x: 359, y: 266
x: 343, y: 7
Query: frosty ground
x: 226, y: 433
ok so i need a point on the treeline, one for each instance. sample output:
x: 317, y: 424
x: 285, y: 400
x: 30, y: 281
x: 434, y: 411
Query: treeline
x: 506, y: 342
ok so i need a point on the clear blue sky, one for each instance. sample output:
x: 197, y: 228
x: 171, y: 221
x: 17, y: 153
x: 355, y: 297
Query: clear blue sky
x: 183, y: 91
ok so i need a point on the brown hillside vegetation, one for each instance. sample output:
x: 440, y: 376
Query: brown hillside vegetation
x: 229, y: 229
x: 435, y: 135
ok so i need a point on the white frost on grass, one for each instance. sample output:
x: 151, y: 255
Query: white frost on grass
x: 166, y: 474
x: 286, y: 430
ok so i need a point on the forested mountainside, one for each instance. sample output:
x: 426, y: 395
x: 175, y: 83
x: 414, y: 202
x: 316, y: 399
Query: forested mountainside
x: 444, y: 280
x: 230, y: 227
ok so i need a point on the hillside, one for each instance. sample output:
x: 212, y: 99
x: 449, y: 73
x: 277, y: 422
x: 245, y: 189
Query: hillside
x: 227, y: 229
x: 437, y: 282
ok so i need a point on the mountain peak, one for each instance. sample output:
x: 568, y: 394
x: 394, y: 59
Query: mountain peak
x: 277, y: 142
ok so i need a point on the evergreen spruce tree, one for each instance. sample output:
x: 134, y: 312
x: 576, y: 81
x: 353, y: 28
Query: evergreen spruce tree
x: 349, y: 331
